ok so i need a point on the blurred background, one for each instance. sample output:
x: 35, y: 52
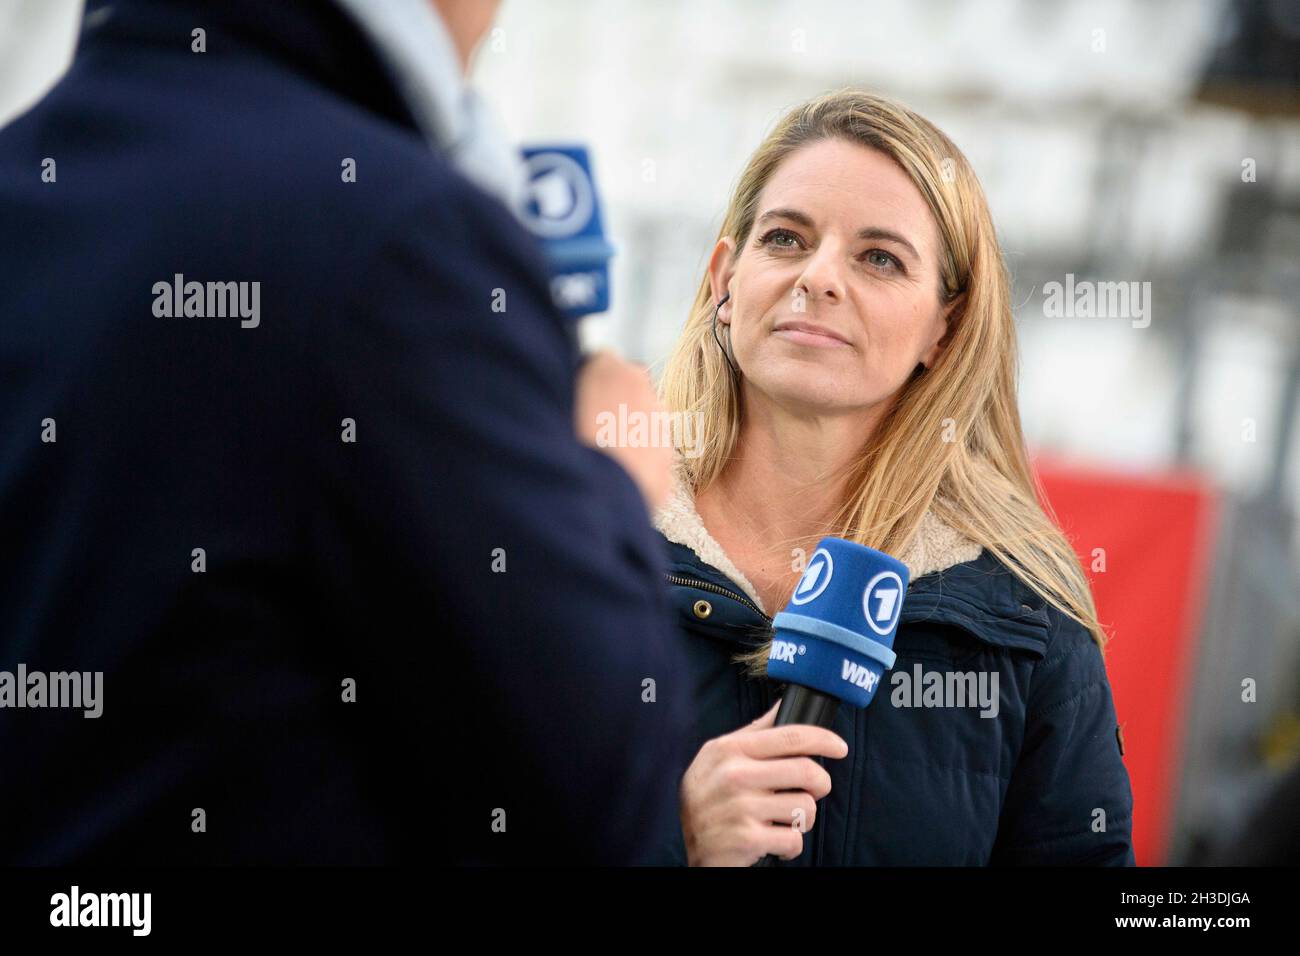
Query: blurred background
x: 1131, y: 141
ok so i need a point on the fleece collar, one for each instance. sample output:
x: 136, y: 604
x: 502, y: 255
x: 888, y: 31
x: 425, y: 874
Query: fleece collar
x: 935, y: 547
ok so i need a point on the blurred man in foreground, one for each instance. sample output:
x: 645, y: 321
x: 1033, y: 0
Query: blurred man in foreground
x: 275, y: 468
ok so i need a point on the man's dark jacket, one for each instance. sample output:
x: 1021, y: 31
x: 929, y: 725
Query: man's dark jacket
x: 1041, y: 782
x: 357, y: 592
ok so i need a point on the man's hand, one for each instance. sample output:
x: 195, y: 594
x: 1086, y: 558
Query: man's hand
x: 605, y: 382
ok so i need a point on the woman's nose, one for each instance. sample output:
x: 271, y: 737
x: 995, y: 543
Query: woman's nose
x: 822, y: 276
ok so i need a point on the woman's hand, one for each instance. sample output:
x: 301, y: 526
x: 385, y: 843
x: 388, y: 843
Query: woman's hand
x: 732, y: 809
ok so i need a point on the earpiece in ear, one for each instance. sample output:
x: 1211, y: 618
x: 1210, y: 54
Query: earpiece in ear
x: 734, y: 371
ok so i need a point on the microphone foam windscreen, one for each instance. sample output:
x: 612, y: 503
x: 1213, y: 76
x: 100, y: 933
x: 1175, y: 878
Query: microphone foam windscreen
x: 837, y: 633
x: 563, y: 211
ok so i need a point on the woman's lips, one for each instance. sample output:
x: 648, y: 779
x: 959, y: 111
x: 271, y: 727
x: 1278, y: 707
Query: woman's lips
x: 802, y: 334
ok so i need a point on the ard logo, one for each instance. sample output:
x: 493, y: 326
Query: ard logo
x: 882, y: 602
x: 815, y: 577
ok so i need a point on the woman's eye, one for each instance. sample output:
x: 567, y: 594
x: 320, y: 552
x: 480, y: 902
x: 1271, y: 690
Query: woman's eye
x: 781, y: 238
x: 881, y: 259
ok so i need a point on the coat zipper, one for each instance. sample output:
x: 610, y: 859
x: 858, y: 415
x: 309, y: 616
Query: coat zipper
x: 707, y: 586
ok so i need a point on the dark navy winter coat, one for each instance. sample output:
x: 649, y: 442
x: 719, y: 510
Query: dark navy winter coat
x: 938, y: 786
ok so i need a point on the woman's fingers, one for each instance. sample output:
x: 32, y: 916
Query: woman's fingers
x: 784, y: 842
x: 763, y: 740
x: 744, y: 831
x: 792, y: 740
x: 754, y: 791
x: 792, y: 773
x: 793, y: 809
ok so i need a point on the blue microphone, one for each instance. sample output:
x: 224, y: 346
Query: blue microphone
x: 835, y: 639
x: 563, y: 212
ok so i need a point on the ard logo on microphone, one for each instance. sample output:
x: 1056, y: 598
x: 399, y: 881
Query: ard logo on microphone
x: 882, y: 602
x: 821, y: 567
x: 563, y: 211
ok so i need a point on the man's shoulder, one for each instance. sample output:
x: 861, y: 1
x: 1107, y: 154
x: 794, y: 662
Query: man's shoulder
x: 339, y: 171
x: 256, y: 152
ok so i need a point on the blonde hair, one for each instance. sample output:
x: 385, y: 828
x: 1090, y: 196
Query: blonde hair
x: 952, y: 440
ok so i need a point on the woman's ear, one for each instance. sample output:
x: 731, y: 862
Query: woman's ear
x: 953, y: 308
x: 722, y: 266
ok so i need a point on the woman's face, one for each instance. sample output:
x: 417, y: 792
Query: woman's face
x: 835, y: 295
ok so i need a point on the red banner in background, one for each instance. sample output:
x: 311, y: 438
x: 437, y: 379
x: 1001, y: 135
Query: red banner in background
x: 1153, y: 535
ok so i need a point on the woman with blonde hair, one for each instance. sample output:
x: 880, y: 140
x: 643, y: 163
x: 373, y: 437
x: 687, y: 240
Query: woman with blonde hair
x: 849, y: 367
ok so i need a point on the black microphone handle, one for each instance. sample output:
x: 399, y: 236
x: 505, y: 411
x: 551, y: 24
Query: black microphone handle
x: 803, y: 705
